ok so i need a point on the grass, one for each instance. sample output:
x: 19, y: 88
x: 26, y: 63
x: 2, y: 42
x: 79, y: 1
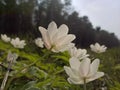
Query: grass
x: 48, y: 73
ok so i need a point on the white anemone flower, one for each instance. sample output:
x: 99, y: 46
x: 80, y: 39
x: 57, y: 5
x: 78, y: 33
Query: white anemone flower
x: 39, y: 42
x: 5, y: 38
x: 78, y: 53
x: 97, y: 48
x: 17, y: 43
x: 56, y: 39
x: 82, y: 72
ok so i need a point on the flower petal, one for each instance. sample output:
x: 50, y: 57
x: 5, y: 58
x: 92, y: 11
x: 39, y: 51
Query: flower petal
x: 84, y: 67
x: 69, y: 71
x: 39, y: 42
x: 66, y: 47
x: 62, y: 30
x: 45, y: 37
x: 52, y: 26
x: 94, y: 67
x: 97, y: 45
x: 52, y: 30
x: 65, y: 40
x: 75, y: 80
x: 74, y: 63
x: 96, y: 76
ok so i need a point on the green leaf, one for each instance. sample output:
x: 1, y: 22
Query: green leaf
x: 28, y: 85
x: 33, y: 88
x: 117, y: 67
x: 36, y: 72
x: 60, y: 82
x: 46, y: 82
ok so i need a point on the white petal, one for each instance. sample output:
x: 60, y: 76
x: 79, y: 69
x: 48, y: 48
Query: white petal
x: 65, y: 40
x: 103, y: 48
x: 75, y: 80
x: 97, y: 45
x: 52, y: 26
x: 63, y: 43
x: 39, y: 42
x: 77, y: 52
x: 84, y: 67
x: 45, y: 37
x: 81, y: 53
x: 94, y: 67
x: 52, y: 30
x: 17, y: 40
x: 74, y: 63
x: 91, y: 46
x: 69, y: 71
x: 62, y: 30
x: 66, y: 47
x: 83, y: 57
x: 96, y: 76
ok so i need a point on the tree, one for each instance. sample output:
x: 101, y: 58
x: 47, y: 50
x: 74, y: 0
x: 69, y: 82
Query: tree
x: 22, y: 17
x: 17, y: 16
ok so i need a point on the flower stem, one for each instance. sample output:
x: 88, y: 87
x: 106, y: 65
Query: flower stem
x: 85, y: 88
x: 8, y: 83
x: 6, y: 76
x: 46, y: 54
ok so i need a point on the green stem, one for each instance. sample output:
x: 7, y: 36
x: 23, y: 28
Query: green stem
x: 59, y: 71
x: 8, y: 83
x: 85, y: 88
x: 46, y: 54
x: 6, y: 76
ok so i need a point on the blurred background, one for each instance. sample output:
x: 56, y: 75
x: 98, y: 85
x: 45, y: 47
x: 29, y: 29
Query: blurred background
x: 22, y: 18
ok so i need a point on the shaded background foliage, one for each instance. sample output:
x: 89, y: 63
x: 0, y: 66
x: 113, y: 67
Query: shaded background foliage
x: 22, y: 18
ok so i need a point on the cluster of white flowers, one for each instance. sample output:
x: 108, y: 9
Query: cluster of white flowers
x: 58, y: 40
x: 17, y: 43
x: 81, y: 69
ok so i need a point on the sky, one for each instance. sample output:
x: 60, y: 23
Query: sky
x: 103, y: 13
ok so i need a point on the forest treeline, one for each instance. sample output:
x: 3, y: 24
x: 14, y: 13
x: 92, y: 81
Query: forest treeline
x: 22, y: 17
